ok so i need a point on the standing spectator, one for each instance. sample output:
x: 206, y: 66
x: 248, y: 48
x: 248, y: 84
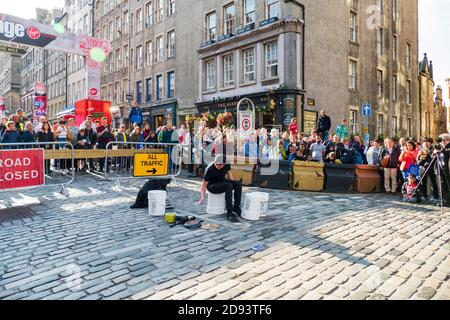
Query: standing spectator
x: 135, y: 114
x: 317, y: 150
x: 408, y: 160
x: 90, y: 120
x: 10, y: 135
x: 105, y: 136
x: 293, y: 127
x: 42, y: 120
x: 169, y: 135
x: 44, y: 135
x: 22, y: 119
x: 3, y: 127
x: 72, y: 132
x: 402, y: 143
x: 324, y: 125
x: 28, y: 134
x: 286, y: 141
x: 61, y: 133
x: 424, y: 160
x: 137, y: 137
x: 146, y: 131
x: 389, y: 156
x: 342, y: 130
x: 373, y: 153
x: 358, y: 146
x: 19, y: 126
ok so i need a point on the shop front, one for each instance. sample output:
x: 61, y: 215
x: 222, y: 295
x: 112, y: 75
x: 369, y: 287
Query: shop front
x: 274, y: 109
x: 160, y: 115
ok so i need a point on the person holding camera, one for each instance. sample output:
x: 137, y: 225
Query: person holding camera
x: 445, y: 175
x: 424, y: 159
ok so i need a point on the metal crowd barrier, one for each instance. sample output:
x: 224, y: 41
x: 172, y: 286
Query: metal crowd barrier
x: 57, y: 160
x: 136, y: 160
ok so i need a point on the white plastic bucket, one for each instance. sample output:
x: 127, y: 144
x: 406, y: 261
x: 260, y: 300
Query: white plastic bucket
x: 216, y: 204
x: 157, y: 203
x: 255, y: 206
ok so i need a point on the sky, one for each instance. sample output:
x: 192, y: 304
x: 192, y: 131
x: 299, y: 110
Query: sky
x: 434, y: 25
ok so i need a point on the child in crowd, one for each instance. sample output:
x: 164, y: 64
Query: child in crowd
x: 410, y: 190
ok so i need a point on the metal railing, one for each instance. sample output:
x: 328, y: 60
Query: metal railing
x: 57, y: 159
x: 136, y: 160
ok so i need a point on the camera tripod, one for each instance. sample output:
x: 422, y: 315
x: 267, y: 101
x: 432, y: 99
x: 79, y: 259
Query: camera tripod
x: 435, y: 163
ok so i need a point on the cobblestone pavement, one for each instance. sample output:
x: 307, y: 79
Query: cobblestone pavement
x: 320, y: 246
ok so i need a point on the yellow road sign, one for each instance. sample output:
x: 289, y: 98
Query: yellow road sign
x: 150, y: 165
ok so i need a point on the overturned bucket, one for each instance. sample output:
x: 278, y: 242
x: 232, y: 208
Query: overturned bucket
x: 157, y: 203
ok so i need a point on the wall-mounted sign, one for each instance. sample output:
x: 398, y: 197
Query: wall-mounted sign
x: 311, y: 102
x: 310, y: 121
x: 12, y: 50
x: 288, y: 111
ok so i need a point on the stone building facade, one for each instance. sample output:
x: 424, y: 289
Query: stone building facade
x: 433, y: 113
x: 10, y: 80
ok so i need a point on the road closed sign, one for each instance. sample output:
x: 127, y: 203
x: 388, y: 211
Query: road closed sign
x: 21, y: 168
x: 150, y: 165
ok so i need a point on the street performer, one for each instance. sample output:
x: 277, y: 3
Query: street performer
x: 217, y: 180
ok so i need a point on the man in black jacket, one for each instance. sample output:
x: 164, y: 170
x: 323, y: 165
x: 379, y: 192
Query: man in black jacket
x: 446, y: 172
x: 324, y: 125
x: 389, y: 159
x: 425, y: 158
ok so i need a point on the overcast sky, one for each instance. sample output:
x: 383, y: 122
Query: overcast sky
x: 434, y: 27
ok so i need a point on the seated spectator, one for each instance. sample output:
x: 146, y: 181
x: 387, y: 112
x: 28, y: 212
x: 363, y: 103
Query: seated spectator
x: 281, y: 150
x: 373, y: 153
x: 292, y: 152
x: 411, y: 190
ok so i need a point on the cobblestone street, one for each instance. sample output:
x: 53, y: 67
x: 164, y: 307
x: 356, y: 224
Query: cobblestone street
x: 320, y: 246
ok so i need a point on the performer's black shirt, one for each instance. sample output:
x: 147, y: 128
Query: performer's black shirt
x: 213, y: 175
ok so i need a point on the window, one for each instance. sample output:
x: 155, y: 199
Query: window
x: 119, y: 26
x: 118, y: 60
x: 408, y: 55
x: 353, y: 27
x: 272, y: 8
x: 228, y: 18
x: 380, y: 82
x: 394, y: 126
x: 139, y: 20
x: 139, y: 91
x: 380, y: 125
x: 249, y: 12
x: 148, y: 89
x: 211, y: 75
x: 171, y: 43
x: 409, y: 127
x: 228, y: 70
x: 139, y: 58
x: 116, y: 92
x: 131, y: 56
x: 408, y: 92
x: 249, y: 65
x: 394, y: 47
x: 132, y: 24
x: 148, y: 53
x: 148, y: 14
x: 126, y: 22
x: 394, y: 88
x: 126, y: 56
x: 211, y: 26
x: 111, y: 31
x: 159, y: 88
x: 171, y: 84
x: 353, y: 122
x: 171, y: 9
x: 271, y: 50
x: 394, y: 10
x: 159, y: 10
x: 160, y: 48
x: 379, y: 5
x: 379, y: 41
x: 352, y: 74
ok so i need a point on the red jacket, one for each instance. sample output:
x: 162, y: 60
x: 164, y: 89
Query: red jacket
x: 408, y: 158
x: 293, y: 128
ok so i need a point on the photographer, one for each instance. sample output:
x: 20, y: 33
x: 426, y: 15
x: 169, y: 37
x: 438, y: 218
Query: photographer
x: 427, y: 173
x: 445, y: 151
x: 105, y: 136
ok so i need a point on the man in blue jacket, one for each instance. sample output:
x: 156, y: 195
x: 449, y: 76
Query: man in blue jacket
x: 135, y: 115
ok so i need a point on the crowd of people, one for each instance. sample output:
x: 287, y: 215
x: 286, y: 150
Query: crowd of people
x: 402, y: 163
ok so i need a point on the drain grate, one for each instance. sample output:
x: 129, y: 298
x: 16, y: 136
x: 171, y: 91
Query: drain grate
x: 15, y: 213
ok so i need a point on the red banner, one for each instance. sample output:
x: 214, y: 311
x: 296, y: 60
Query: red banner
x: 40, y: 99
x: 21, y: 168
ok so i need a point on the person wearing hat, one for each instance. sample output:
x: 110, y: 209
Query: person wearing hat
x: 217, y: 180
x: 411, y: 191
